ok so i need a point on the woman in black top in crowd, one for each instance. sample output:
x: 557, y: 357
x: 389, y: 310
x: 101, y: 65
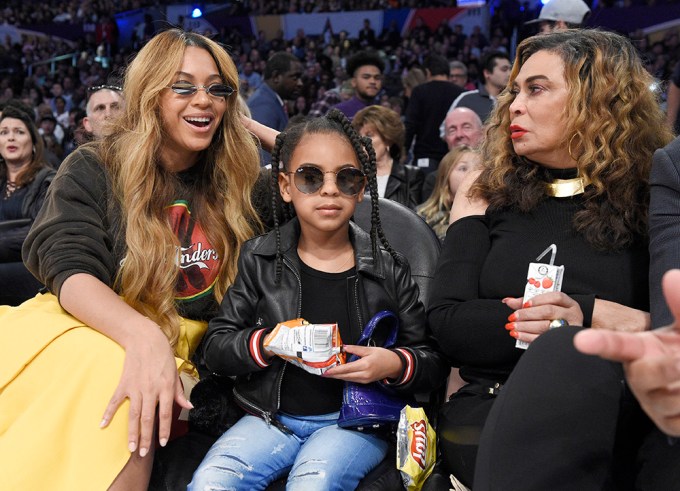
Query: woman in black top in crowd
x: 565, y: 162
x: 24, y: 178
x: 396, y: 181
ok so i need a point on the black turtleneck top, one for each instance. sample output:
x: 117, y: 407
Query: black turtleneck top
x: 486, y: 258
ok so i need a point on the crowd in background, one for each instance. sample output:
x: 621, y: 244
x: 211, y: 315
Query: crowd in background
x: 97, y: 58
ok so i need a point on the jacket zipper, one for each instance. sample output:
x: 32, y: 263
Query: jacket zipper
x: 266, y: 415
x: 299, y: 314
x: 357, y: 306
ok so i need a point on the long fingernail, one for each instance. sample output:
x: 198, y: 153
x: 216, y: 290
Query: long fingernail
x: 514, y: 334
x: 132, y: 446
x: 103, y: 423
x: 505, y: 300
x: 512, y: 317
x: 191, y: 406
x: 510, y: 326
x: 163, y: 442
x: 143, y: 451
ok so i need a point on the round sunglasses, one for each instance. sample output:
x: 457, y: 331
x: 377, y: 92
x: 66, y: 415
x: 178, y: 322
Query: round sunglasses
x: 309, y: 179
x: 215, y: 90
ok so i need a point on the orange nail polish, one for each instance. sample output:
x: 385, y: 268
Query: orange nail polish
x: 510, y: 326
x: 526, y: 304
x: 514, y: 334
x: 512, y: 317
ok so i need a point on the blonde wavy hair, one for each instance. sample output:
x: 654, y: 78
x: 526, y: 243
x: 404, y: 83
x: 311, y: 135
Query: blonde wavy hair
x: 614, y: 125
x: 441, y: 199
x: 221, y: 195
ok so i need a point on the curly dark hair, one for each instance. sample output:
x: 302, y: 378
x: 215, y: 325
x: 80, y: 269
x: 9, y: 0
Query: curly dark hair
x: 364, y: 58
x: 334, y: 122
x: 613, y: 126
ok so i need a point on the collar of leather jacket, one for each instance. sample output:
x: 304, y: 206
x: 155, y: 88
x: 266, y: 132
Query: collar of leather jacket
x: 290, y: 232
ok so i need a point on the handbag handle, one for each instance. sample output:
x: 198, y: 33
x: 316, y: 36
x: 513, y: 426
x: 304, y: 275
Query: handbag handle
x: 383, y: 318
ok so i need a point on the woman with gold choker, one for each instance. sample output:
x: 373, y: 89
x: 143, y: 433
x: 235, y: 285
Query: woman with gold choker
x: 566, y: 162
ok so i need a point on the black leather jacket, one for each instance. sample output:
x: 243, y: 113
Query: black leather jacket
x: 255, y: 302
x: 405, y: 185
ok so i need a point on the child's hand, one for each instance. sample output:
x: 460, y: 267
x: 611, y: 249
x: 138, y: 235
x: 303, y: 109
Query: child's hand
x: 373, y: 364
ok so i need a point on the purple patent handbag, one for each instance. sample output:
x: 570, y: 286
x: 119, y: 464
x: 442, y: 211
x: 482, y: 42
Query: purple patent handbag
x: 370, y: 407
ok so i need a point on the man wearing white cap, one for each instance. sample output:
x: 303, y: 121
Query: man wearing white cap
x: 557, y: 15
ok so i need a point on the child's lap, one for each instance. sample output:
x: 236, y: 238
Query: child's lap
x: 253, y: 454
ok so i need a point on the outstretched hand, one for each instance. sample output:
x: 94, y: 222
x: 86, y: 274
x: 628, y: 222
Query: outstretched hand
x: 374, y: 364
x: 650, y: 359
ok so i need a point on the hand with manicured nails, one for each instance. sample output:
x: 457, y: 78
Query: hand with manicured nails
x: 531, y: 319
x: 650, y: 359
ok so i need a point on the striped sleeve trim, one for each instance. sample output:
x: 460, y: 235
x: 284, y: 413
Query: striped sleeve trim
x: 254, y: 347
x: 407, y: 374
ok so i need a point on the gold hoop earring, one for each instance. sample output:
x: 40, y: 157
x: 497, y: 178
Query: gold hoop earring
x: 569, y: 147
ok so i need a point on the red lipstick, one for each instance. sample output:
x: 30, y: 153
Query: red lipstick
x: 517, y: 131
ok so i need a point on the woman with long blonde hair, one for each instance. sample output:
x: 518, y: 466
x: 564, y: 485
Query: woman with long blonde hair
x: 452, y: 169
x: 567, y: 156
x: 137, y: 243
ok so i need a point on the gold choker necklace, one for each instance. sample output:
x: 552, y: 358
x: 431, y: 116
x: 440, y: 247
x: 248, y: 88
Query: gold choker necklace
x: 563, y: 188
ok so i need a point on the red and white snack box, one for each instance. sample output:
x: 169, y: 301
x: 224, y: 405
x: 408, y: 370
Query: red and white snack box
x: 542, y: 278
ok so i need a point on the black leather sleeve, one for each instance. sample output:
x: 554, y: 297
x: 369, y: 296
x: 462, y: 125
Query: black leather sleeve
x: 431, y: 367
x: 225, y: 346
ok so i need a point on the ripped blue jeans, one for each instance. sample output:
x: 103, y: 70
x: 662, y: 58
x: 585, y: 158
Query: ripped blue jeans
x: 319, y: 455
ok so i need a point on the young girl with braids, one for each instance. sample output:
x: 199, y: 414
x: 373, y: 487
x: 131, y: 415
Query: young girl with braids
x: 324, y: 268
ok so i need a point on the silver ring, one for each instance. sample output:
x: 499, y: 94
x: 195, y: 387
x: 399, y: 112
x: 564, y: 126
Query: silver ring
x: 554, y: 324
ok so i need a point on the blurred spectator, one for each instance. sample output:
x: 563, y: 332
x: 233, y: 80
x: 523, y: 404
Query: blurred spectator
x: 561, y: 14
x: 462, y: 126
x: 76, y: 134
x: 105, y: 103
x: 24, y: 179
x: 453, y: 167
x: 282, y: 82
x: 458, y: 74
x: 366, y: 69
x: 427, y: 107
x: 249, y: 74
x: 367, y: 35
x: 496, y: 66
x: 390, y: 37
x: 396, y: 181
x: 60, y: 112
x: 412, y: 79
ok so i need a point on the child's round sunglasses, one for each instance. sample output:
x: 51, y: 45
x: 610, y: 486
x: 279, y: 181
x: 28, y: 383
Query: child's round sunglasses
x: 309, y: 179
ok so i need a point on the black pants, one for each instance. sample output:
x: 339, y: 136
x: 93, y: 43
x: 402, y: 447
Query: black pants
x: 567, y: 421
x: 459, y: 429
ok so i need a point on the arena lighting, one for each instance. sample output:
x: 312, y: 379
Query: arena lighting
x: 196, y: 12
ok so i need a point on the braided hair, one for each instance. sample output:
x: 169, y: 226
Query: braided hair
x: 334, y: 122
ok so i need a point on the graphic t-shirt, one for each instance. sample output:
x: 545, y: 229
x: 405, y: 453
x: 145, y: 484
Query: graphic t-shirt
x: 198, y: 261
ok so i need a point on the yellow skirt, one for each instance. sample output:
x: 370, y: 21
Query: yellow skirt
x: 56, y: 378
